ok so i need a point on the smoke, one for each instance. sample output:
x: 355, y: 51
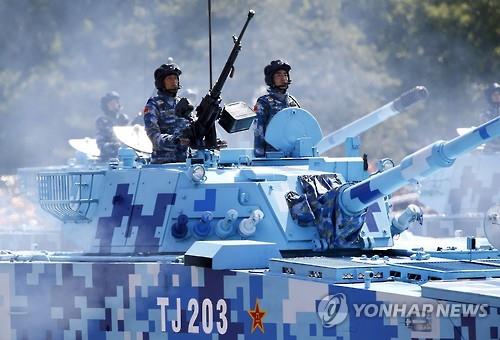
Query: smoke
x: 451, y: 48
x: 59, y: 57
x: 73, y: 53
x: 23, y: 225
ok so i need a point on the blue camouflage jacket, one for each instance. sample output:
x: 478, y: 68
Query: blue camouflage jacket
x: 164, y: 128
x: 105, y: 138
x: 265, y: 108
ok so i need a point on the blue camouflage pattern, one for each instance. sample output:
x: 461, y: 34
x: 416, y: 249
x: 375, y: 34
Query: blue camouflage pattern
x: 105, y: 138
x: 146, y: 239
x: 462, y: 194
x: 164, y: 127
x: 86, y: 300
x: 265, y: 108
x: 319, y: 204
x: 134, y: 209
x: 132, y: 282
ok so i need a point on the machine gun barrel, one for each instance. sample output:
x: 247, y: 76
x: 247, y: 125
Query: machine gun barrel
x: 226, y: 71
x: 441, y: 154
x: 362, y: 124
x: 209, y: 109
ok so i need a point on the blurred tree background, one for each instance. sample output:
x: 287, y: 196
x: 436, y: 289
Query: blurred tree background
x: 59, y: 57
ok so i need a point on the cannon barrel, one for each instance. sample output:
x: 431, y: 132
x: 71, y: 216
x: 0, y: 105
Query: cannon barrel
x: 441, y: 154
x: 373, y: 118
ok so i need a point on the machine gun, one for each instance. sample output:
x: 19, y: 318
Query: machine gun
x: 202, y: 133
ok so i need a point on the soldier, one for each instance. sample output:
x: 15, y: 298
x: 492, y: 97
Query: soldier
x: 492, y: 94
x: 106, y: 140
x: 139, y: 119
x: 166, y: 116
x: 277, y: 77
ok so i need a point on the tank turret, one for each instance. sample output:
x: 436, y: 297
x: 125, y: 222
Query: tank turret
x: 132, y: 207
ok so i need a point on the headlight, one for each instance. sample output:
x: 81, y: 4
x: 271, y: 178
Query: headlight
x: 385, y: 164
x: 197, y: 173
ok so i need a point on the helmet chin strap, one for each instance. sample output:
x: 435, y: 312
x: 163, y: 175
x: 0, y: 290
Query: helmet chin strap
x: 114, y: 111
x: 280, y: 88
x: 172, y: 91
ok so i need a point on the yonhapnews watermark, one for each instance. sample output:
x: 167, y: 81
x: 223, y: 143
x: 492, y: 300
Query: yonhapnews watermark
x: 333, y: 310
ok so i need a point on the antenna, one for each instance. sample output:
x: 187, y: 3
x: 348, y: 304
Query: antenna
x: 210, y: 39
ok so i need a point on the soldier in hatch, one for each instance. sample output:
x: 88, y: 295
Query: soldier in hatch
x: 277, y: 77
x: 105, y: 138
x: 492, y: 95
x: 167, y: 116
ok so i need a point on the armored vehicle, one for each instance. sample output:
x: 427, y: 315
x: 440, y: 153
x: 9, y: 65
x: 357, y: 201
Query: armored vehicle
x: 229, y: 246
x: 461, y: 196
x: 277, y: 247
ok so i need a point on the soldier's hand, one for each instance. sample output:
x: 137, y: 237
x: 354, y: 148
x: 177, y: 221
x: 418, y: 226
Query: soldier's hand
x: 183, y: 108
x: 221, y: 144
x: 184, y: 141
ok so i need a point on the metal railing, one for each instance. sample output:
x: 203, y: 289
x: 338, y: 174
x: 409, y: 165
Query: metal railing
x: 68, y: 195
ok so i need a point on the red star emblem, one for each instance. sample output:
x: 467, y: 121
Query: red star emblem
x: 257, y: 315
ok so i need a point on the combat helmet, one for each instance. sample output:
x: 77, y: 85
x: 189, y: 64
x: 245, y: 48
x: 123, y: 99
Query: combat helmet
x: 165, y: 70
x: 273, y: 67
x: 107, y: 98
x: 492, y: 88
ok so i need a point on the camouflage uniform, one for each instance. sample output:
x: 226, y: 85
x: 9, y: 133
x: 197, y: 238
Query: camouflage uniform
x: 265, y: 108
x: 164, y: 128
x: 105, y: 138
